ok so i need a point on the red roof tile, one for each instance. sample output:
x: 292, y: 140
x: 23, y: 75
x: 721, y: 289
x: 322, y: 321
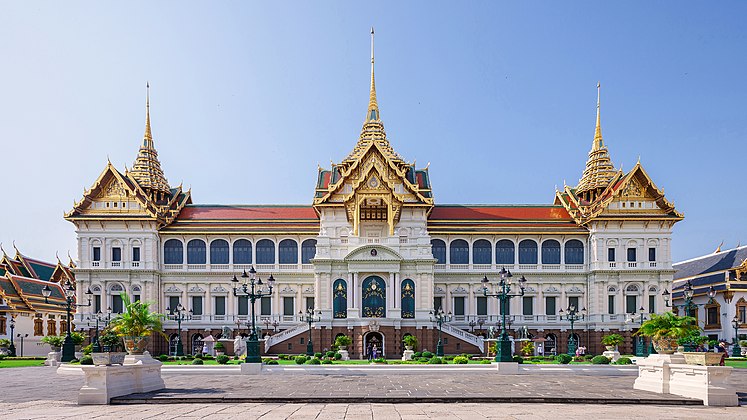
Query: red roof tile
x: 457, y: 212
x: 218, y: 212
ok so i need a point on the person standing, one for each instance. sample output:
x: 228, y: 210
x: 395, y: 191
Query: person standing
x: 369, y: 351
x: 375, y: 352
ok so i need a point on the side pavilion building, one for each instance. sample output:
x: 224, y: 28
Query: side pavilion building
x: 375, y: 253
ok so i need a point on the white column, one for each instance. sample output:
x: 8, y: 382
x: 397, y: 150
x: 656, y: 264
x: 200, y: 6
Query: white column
x: 318, y: 292
x: 350, y: 281
x: 391, y: 304
x: 355, y: 291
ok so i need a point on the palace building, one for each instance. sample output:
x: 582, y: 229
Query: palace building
x: 375, y: 253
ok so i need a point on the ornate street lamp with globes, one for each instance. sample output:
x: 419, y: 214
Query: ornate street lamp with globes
x: 572, y: 315
x: 12, y: 347
x: 180, y: 314
x: 310, y: 317
x: 252, y: 288
x: 68, y: 346
x: 504, y: 295
x: 439, y: 317
x: 736, y: 351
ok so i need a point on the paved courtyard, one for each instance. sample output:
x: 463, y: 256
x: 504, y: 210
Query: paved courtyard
x: 39, y: 392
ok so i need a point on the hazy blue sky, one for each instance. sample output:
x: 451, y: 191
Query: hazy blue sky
x: 247, y: 98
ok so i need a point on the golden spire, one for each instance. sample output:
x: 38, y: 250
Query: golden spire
x: 599, y: 168
x: 373, y: 106
x: 147, y: 137
x: 147, y: 169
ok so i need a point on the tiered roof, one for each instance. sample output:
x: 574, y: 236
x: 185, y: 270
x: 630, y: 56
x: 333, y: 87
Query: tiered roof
x: 599, y: 169
x: 22, y: 280
x: 725, y: 271
x: 147, y: 170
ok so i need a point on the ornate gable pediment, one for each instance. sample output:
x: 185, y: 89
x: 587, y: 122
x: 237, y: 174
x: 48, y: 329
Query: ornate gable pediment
x: 373, y: 253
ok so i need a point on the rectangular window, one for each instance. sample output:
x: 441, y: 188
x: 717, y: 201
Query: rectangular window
x: 136, y: 298
x: 611, y: 304
x: 309, y: 303
x: 631, y: 304
x: 742, y: 314
x: 97, y: 253
x: 527, y: 305
x: 573, y: 301
x: 173, y: 303
x: 136, y: 254
x: 116, y: 254
x: 632, y: 255
x: 265, y: 306
x: 712, y: 316
x: 482, y: 305
x: 220, y: 305
x: 611, y: 254
x: 243, y: 305
x: 459, y: 306
x: 96, y: 303
x: 438, y: 303
x: 196, y: 305
x: 117, y: 306
x: 288, y: 309
x: 550, y: 305
x: 652, y: 304
x: 652, y: 254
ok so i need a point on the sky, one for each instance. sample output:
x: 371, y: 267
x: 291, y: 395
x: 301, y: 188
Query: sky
x: 247, y: 98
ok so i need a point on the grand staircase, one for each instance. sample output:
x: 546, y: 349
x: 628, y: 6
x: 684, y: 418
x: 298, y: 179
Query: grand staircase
x: 285, y: 334
x: 465, y: 336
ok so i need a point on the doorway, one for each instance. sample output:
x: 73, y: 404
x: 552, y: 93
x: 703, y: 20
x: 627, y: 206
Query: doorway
x: 373, y: 339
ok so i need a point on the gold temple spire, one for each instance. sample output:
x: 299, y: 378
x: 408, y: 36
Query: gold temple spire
x: 373, y: 106
x: 147, y: 137
x: 147, y: 169
x: 599, y: 168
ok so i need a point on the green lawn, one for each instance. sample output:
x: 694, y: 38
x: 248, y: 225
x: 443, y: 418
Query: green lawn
x: 20, y: 363
x: 739, y: 364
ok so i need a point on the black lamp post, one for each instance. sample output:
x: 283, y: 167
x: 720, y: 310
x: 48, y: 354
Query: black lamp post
x: 68, y: 347
x: 96, y: 347
x: 310, y: 317
x: 22, y: 336
x: 640, y: 342
x: 503, y: 348
x: 688, y: 293
x: 472, y: 324
x: 572, y: 316
x: 275, y: 324
x: 252, y: 288
x: 182, y: 314
x: 439, y: 318
x: 736, y: 351
x: 12, y: 347
x: 480, y: 322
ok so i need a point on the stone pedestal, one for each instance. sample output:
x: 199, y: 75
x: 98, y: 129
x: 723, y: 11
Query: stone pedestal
x: 612, y: 355
x: 708, y: 383
x: 345, y: 355
x: 507, y: 368
x: 53, y: 358
x: 407, y: 355
x: 140, y: 373
x: 251, y: 368
x: 653, y: 372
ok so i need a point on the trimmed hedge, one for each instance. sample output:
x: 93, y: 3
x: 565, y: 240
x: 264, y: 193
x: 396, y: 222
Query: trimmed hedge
x: 518, y: 359
x: 163, y: 358
x: 86, y: 360
x: 563, y: 358
x: 600, y: 360
x: 222, y: 359
x: 301, y: 360
x: 314, y: 361
x: 435, y: 360
x: 624, y: 361
x: 198, y: 362
x: 460, y: 360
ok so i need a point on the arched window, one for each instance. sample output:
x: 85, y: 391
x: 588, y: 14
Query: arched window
x: 408, y: 298
x: 505, y: 252
x: 481, y: 252
x: 527, y: 252
x: 196, y: 252
x: 340, y: 299
x: 265, y: 252
x: 173, y: 252
x: 574, y: 252
x: 219, y: 252
x: 459, y: 252
x: 374, y: 297
x: 308, y: 251
x: 551, y: 252
x: 288, y: 251
x: 439, y: 250
x: 242, y: 252
x: 196, y: 343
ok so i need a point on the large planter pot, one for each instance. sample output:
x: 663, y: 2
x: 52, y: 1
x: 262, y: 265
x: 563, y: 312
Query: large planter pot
x: 136, y: 345
x: 408, y: 347
x: 665, y: 345
x: 610, y: 348
x: 108, y: 358
x: 343, y: 347
x: 702, y: 358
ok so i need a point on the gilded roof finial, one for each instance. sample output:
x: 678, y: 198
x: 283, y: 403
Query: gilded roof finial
x: 598, y: 142
x: 147, y: 137
x: 718, y: 249
x: 3, y: 249
x: 373, y: 106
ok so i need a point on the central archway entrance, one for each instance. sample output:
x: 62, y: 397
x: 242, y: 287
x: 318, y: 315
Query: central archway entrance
x: 374, y: 297
x: 373, y: 339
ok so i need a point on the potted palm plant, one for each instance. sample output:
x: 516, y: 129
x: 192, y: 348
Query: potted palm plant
x: 219, y: 348
x: 611, y: 341
x: 343, y: 342
x: 54, y: 341
x: 411, y: 342
x: 110, y: 344
x: 136, y: 324
x: 666, y: 329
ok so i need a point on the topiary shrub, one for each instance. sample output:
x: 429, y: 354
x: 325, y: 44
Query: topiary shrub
x: 198, y: 362
x: 588, y: 356
x: 222, y: 359
x: 449, y: 358
x: 283, y: 356
x: 485, y: 362
x: 163, y: 357
x: 198, y: 356
x: 207, y: 357
x: 272, y: 362
x: 86, y: 360
x: 318, y: 355
x: 326, y: 362
x: 563, y: 359
x: 417, y: 354
x: 314, y: 361
x: 460, y: 360
x: 301, y: 360
x: 338, y: 356
x: 518, y: 359
x: 624, y: 361
x: 600, y: 360
x: 428, y: 355
x: 422, y: 359
x: 435, y: 360
x: 330, y: 354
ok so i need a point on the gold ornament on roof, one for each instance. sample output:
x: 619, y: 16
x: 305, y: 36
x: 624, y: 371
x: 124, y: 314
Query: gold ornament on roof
x: 599, y: 168
x: 147, y: 169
